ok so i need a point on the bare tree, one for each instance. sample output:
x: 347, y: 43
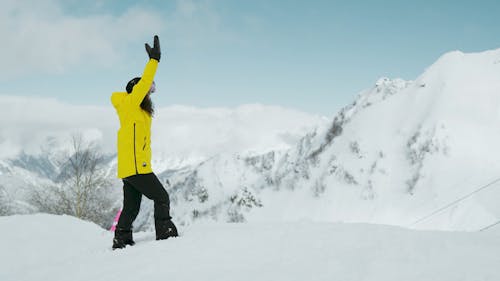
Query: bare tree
x: 82, y: 188
x: 5, y: 208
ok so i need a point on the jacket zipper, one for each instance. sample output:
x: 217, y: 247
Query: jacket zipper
x: 135, y: 156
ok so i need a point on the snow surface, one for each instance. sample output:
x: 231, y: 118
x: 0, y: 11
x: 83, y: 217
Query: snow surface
x: 46, y: 247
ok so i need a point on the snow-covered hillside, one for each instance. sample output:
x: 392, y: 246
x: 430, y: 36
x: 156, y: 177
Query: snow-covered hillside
x: 44, y: 247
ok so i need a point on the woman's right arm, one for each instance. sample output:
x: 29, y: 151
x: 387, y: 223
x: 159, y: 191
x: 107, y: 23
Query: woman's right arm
x: 141, y: 89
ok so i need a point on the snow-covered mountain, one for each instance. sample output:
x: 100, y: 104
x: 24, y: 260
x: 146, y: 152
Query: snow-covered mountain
x: 401, y: 151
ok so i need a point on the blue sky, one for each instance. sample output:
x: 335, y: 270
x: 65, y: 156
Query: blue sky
x: 314, y: 56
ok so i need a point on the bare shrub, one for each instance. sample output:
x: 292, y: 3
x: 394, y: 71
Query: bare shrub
x: 5, y: 208
x: 82, y: 189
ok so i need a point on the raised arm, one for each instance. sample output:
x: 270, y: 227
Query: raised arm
x: 141, y: 89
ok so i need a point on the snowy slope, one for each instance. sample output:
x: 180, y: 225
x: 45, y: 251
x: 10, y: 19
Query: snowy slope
x: 407, y: 148
x: 43, y: 247
x: 410, y: 148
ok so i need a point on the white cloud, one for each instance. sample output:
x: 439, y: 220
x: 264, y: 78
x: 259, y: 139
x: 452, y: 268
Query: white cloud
x: 30, y: 123
x: 37, y: 36
x: 179, y: 132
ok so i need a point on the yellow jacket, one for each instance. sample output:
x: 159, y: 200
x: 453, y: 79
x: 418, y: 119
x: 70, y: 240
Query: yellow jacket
x: 134, y: 135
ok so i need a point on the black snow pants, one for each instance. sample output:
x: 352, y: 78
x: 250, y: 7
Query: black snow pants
x: 133, y: 188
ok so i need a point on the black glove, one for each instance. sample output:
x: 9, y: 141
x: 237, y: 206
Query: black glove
x: 155, y: 52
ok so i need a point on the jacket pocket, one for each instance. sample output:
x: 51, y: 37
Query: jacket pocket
x: 141, y: 147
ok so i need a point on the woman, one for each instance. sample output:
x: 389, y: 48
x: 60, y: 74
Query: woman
x: 135, y: 111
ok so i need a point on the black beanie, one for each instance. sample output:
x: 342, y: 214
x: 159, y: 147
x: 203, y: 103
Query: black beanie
x: 131, y: 84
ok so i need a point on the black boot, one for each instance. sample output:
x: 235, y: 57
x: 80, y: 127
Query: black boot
x: 122, y: 239
x: 165, y: 229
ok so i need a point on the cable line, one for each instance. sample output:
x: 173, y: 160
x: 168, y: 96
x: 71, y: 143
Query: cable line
x: 489, y: 226
x: 457, y: 201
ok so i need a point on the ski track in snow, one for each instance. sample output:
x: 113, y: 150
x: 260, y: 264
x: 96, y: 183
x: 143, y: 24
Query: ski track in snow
x: 46, y: 247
